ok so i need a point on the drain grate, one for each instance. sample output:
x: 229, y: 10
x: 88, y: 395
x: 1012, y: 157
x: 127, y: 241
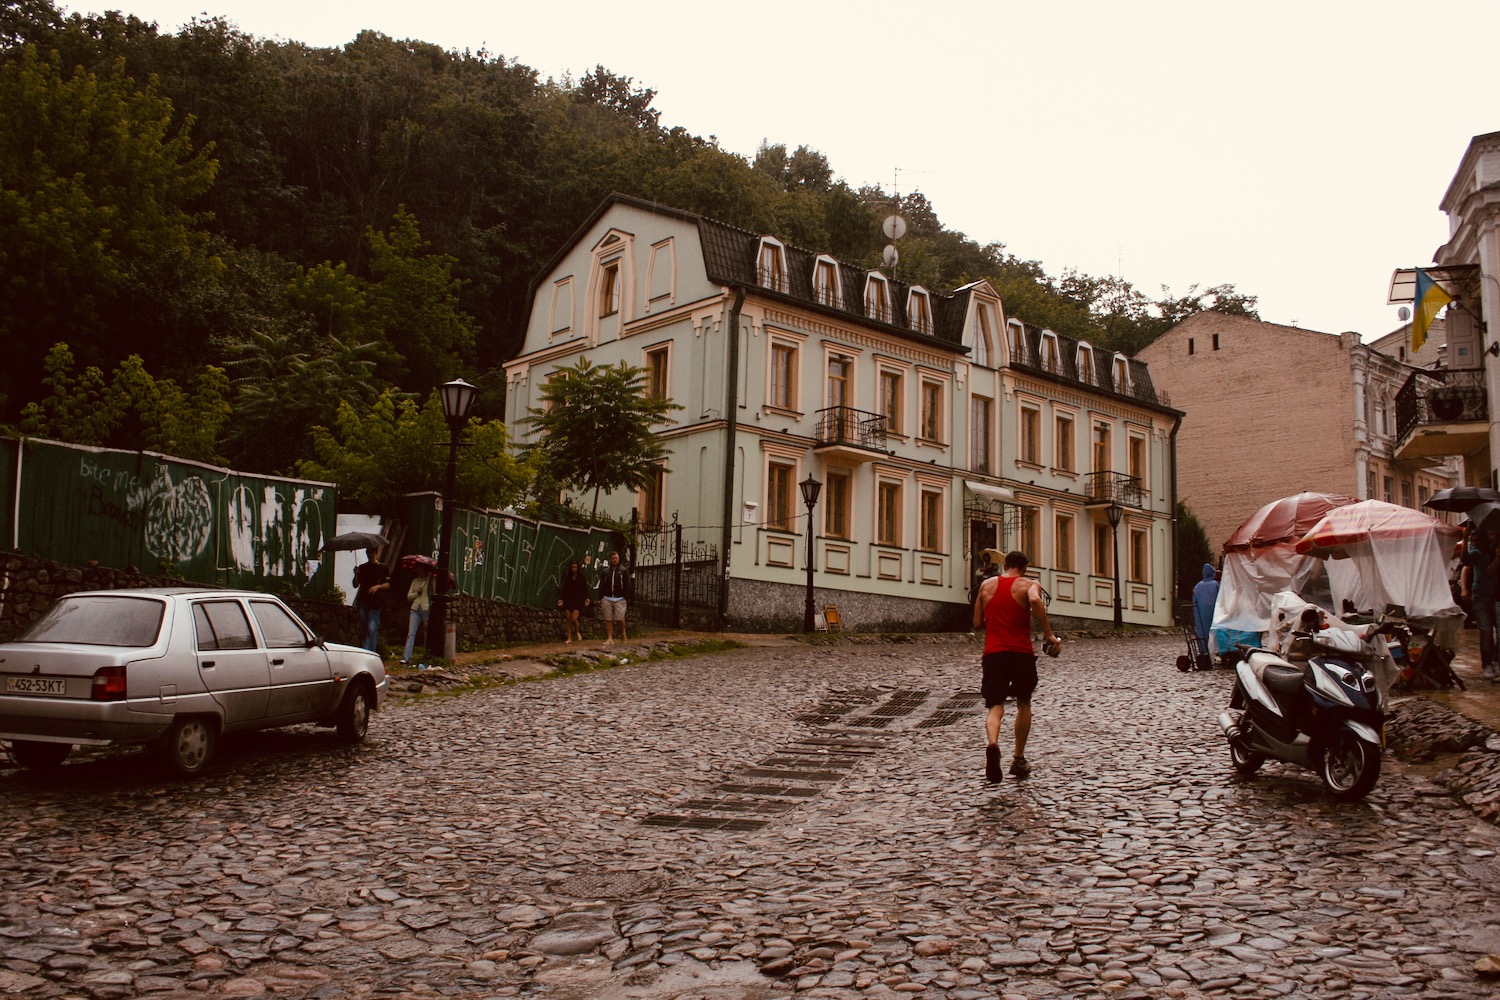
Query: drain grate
x: 702, y: 822
x: 961, y: 701
x: 609, y: 885
x: 788, y: 791
x: 937, y: 719
x: 738, y: 805
x: 870, y: 722
x: 812, y: 777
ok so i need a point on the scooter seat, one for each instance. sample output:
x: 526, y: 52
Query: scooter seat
x: 1282, y: 678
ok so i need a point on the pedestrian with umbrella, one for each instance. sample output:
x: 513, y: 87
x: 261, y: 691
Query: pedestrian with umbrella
x: 420, y: 596
x: 1481, y: 583
x: 424, y: 569
x: 373, y: 580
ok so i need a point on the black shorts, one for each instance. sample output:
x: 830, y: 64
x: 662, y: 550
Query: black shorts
x: 1008, y: 675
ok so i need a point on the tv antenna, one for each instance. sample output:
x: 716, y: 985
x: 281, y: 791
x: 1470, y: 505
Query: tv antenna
x: 894, y: 227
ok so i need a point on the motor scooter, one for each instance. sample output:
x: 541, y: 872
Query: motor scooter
x: 1318, y: 706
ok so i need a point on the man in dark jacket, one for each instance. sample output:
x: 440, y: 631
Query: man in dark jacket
x: 614, y: 588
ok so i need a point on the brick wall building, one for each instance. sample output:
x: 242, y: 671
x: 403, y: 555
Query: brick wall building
x: 1273, y: 410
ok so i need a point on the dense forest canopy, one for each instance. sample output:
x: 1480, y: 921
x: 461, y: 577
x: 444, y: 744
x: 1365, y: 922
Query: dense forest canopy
x: 308, y: 231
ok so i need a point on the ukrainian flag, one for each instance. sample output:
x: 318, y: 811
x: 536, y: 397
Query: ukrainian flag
x: 1430, y: 298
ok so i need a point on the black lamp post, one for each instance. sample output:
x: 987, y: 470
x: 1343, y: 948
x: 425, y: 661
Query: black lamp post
x: 1115, y: 513
x: 458, y: 398
x: 810, y: 489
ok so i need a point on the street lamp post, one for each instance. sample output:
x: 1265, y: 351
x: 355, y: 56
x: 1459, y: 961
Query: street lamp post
x: 810, y: 489
x: 1115, y: 513
x: 458, y: 398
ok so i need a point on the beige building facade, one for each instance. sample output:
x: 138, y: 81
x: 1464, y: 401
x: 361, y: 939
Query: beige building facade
x: 934, y: 424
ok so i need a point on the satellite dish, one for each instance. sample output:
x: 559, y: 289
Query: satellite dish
x: 890, y: 256
x: 894, y: 227
x: 1403, y: 314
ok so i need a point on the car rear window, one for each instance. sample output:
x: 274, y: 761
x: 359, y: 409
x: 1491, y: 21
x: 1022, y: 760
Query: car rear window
x: 99, y: 621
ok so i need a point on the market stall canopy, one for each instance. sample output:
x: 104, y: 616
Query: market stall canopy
x: 1382, y: 555
x: 1370, y: 521
x: 1284, y: 520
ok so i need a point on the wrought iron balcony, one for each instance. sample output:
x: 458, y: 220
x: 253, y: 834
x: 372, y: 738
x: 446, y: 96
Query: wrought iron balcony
x: 844, y: 426
x: 1441, y: 412
x: 1114, y: 487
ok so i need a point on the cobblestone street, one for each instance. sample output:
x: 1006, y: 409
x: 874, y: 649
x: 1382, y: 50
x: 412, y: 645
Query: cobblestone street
x: 776, y: 821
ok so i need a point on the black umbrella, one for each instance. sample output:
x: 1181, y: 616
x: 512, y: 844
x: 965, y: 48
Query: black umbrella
x: 1461, y: 498
x: 354, y: 540
x: 1484, y: 515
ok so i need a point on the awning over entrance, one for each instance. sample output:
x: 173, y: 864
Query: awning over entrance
x: 989, y: 492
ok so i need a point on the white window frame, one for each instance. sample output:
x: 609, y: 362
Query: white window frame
x: 770, y: 265
x: 877, y: 297
x: 828, y: 285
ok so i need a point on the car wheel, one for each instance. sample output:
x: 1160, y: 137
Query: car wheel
x: 39, y: 756
x: 354, y: 713
x: 1349, y: 766
x: 190, y: 745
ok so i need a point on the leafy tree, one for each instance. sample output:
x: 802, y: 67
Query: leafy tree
x: 95, y: 185
x: 414, y: 301
x: 132, y: 410
x: 287, y: 382
x: 597, y: 428
x: 397, y: 447
x: 1193, y: 550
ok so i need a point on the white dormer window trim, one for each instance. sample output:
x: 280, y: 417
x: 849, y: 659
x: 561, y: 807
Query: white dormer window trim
x: 828, y: 288
x: 983, y: 324
x: 770, y: 265
x: 1122, y: 373
x: 877, y: 297
x: 1015, y: 342
x: 1084, y: 364
x: 919, y: 310
x: 1051, y: 353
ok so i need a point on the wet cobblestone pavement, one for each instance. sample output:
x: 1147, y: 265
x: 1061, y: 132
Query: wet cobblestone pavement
x: 772, y: 822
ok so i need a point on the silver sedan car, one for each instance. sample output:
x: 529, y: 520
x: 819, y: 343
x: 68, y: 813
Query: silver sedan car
x: 175, y: 668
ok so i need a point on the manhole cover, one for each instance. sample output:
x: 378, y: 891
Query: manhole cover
x: 609, y: 885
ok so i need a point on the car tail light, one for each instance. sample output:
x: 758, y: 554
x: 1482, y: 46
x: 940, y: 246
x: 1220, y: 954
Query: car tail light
x: 109, y: 684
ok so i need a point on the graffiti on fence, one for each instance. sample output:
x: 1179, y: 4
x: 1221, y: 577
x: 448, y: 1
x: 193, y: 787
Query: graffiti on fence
x: 139, y: 509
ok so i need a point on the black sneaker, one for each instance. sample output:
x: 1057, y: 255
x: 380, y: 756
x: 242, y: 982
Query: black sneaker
x: 1019, y: 767
x: 992, y: 764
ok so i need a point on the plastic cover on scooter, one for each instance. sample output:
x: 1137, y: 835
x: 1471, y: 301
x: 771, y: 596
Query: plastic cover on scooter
x: 1288, y: 621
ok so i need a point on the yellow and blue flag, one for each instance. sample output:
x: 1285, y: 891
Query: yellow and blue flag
x: 1430, y: 298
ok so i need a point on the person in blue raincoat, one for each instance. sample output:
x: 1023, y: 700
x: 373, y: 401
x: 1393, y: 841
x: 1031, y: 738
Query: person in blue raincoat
x: 1205, y: 596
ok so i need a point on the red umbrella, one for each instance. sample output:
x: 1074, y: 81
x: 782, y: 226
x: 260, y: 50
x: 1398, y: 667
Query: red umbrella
x: 1284, y: 520
x: 424, y: 564
x: 1366, y: 521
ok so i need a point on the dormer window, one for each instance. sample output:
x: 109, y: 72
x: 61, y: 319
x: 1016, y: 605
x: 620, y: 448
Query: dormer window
x: 1015, y: 337
x: 826, y: 282
x: 771, y: 265
x: 919, y: 311
x: 1051, y: 359
x: 877, y: 297
x: 1122, y: 374
x: 1085, y: 364
x: 983, y: 333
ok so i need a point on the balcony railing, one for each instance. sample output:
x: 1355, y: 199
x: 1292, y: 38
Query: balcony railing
x: 1441, y: 396
x: 1114, y: 487
x: 844, y: 425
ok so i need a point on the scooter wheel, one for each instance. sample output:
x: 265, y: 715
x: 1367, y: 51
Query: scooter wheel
x: 1184, y: 664
x: 1349, y: 766
x: 1245, y: 760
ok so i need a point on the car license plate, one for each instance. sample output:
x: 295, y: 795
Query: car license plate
x: 36, y: 685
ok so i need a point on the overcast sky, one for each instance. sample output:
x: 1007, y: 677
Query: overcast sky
x: 1297, y: 150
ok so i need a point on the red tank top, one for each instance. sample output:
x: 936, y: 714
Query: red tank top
x: 1007, y: 625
